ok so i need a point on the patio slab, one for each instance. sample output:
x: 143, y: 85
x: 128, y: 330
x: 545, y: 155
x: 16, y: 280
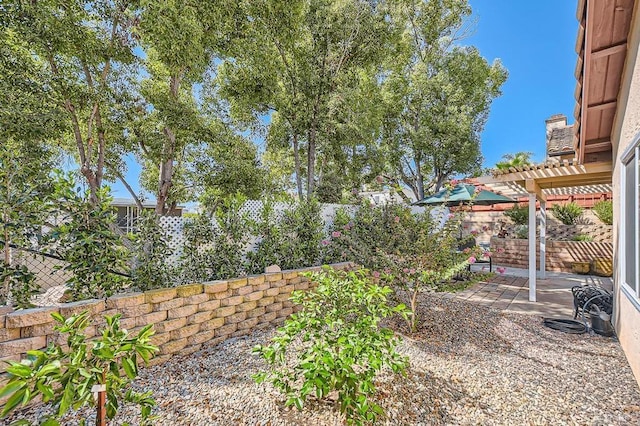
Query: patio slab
x: 510, y: 292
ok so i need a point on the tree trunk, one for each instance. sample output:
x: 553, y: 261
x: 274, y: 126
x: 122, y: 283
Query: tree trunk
x: 439, y: 182
x: 296, y: 161
x: 165, y: 178
x: 311, y: 152
x: 311, y: 162
x: 419, y: 180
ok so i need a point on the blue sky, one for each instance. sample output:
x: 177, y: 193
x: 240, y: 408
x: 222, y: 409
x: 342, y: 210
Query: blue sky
x: 535, y: 41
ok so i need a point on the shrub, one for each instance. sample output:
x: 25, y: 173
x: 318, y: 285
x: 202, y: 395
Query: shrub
x: 230, y: 238
x: 151, y: 248
x: 214, y: 247
x: 196, y: 254
x: 518, y: 214
x: 337, y: 344
x: 583, y: 237
x: 21, y: 283
x: 269, y: 249
x: 521, y: 232
x: 65, y: 378
x: 567, y: 214
x: 94, y: 254
x: 604, y: 211
x: 302, y: 228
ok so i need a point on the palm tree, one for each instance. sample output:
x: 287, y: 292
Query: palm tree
x: 514, y: 160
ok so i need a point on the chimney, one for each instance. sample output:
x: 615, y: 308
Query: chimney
x: 559, y: 138
x: 556, y: 121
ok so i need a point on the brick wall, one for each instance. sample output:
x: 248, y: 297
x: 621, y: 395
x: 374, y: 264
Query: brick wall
x: 184, y: 317
x: 560, y: 254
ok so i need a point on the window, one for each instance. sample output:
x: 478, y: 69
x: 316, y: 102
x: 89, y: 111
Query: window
x: 629, y: 226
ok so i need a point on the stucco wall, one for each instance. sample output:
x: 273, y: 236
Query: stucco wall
x: 626, y: 129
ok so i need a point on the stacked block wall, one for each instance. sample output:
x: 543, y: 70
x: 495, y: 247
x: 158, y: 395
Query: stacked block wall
x: 185, y: 318
x: 560, y: 254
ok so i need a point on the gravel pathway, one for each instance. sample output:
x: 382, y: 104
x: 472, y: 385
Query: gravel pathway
x: 469, y: 365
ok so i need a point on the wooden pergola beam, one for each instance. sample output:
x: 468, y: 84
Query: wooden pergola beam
x: 532, y: 187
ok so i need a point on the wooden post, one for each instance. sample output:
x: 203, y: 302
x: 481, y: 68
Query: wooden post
x: 532, y: 247
x: 543, y: 239
x: 101, y: 417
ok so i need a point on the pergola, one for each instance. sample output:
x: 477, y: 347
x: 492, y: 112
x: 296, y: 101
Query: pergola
x: 539, y: 181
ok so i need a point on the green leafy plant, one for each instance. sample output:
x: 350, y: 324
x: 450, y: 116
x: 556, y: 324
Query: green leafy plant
x: 25, y: 203
x: 231, y: 236
x: 214, y: 246
x: 151, y: 247
x: 64, y: 377
x: 604, y: 211
x: 521, y: 232
x: 196, y: 254
x: 518, y: 214
x: 583, y: 237
x: 268, y: 250
x: 86, y: 239
x: 568, y: 214
x: 337, y: 344
x: 303, y: 230
x: 21, y: 282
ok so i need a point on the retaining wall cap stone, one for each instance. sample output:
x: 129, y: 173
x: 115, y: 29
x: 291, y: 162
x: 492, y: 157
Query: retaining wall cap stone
x: 27, y: 317
x: 189, y: 290
x: 160, y: 295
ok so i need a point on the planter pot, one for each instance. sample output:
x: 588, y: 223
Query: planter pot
x: 603, y: 267
x: 580, y: 267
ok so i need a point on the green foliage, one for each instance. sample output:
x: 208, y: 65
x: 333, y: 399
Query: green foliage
x: 583, y: 238
x: 437, y: 95
x: 25, y: 201
x: 151, y: 251
x: 514, y: 160
x: 64, y: 377
x: 568, y: 214
x: 214, y: 247
x: 21, y: 284
x: 231, y: 237
x: 604, y: 210
x: 74, y: 63
x: 521, y: 232
x: 411, y: 251
x: 93, y: 253
x: 303, y: 230
x: 337, y: 344
x: 196, y: 251
x: 519, y: 214
x: 271, y: 240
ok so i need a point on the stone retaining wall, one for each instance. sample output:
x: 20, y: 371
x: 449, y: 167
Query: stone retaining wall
x: 560, y: 254
x: 184, y: 317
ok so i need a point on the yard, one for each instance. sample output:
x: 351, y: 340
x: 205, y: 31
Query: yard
x: 469, y: 364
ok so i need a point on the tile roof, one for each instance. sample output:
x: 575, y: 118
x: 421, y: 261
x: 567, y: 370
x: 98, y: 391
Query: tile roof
x: 561, y: 141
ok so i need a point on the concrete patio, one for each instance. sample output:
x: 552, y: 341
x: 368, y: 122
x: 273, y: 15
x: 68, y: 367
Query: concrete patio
x: 510, y: 292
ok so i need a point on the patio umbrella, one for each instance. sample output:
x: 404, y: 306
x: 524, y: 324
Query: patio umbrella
x: 462, y: 193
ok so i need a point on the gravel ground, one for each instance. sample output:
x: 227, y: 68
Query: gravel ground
x: 469, y: 365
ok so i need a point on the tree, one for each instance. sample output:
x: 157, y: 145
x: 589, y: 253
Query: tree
x: 180, y: 40
x: 437, y: 95
x: 514, y: 160
x: 82, y: 49
x: 294, y: 60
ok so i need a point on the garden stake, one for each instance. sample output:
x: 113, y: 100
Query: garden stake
x: 101, y: 418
